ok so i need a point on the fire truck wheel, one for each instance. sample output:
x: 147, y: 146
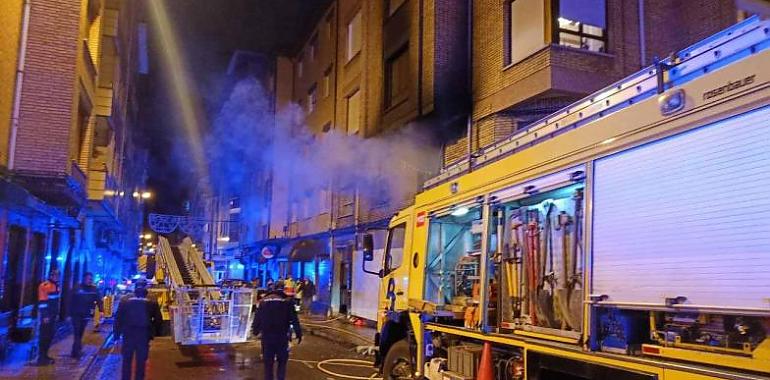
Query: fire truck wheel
x: 398, y: 363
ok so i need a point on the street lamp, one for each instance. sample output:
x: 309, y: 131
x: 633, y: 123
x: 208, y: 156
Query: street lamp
x: 142, y: 194
x: 148, y: 236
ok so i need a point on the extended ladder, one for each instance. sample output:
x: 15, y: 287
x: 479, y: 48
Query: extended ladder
x: 721, y: 49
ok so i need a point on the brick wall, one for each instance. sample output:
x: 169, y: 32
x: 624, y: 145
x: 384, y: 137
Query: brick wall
x: 674, y: 24
x: 47, y: 102
x: 10, y: 27
x: 450, y: 53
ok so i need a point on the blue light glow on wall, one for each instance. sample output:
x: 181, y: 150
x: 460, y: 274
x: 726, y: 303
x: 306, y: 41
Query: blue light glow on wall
x: 323, y: 268
x: 309, y: 270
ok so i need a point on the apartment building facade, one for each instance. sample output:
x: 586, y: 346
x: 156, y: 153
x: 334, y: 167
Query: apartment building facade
x: 367, y: 69
x: 534, y: 57
x: 470, y: 73
x: 71, y: 157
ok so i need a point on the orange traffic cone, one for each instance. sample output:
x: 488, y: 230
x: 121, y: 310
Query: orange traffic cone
x: 486, y: 368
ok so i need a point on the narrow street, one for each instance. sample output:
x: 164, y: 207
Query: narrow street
x: 237, y: 362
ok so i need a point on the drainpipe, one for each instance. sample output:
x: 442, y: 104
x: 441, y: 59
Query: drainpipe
x: 15, y: 115
x: 469, y: 131
x: 642, y: 44
x: 420, y: 43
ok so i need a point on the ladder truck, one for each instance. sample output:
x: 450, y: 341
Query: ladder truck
x: 623, y: 237
x: 200, y: 312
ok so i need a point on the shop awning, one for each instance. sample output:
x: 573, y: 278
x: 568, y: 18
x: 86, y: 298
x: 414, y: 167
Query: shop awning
x: 306, y: 250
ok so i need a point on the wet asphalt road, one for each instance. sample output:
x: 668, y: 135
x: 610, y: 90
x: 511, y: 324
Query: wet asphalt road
x: 241, y: 361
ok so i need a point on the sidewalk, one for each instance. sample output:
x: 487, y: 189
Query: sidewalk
x: 340, y: 330
x: 19, y: 366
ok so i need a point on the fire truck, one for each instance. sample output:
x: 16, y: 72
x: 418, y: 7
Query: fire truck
x: 623, y: 237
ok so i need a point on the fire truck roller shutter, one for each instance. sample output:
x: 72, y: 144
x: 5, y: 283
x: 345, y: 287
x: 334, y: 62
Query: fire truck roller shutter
x: 687, y: 216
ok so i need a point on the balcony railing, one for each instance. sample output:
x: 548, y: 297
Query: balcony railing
x: 88, y: 61
x: 77, y: 174
x: 102, y: 186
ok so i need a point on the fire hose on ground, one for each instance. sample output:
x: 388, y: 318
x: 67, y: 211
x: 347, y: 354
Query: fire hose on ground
x: 346, y: 363
x: 343, y: 362
x: 361, y: 337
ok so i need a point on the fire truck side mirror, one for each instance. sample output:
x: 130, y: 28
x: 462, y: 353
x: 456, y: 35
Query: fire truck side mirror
x: 368, y: 247
x: 368, y: 254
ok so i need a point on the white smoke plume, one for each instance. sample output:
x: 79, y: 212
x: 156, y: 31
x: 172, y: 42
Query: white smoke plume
x: 246, y: 136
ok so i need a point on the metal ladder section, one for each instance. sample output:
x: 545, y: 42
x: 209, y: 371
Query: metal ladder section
x: 184, y: 270
x: 740, y: 40
x: 168, y: 262
x: 195, y: 263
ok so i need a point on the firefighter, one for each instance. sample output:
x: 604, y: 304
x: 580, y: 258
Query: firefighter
x: 289, y: 287
x: 82, y: 306
x: 48, y: 307
x: 308, y: 292
x: 275, y: 319
x: 138, y: 320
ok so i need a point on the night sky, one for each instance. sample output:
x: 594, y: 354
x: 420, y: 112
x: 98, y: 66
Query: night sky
x: 209, y: 31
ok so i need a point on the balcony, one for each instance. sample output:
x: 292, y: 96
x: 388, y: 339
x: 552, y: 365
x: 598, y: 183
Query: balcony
x: 314, y: 224
x: 554, y: 70
x: 89, y: 63
x: 59, y: 189
x: 102, y: 194
x: 103, y: 106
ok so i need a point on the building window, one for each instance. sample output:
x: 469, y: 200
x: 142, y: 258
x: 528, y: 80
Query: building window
x: 328, y: 26
x: 327, y: 82
x: 524, y: 32
x: 354, y: 36
x: 294, y: 211
x: 325, y: 204
x: 393, y: 6
x: 311, y: 98
x: 353, y: 111
x: 306, y: 207
x: 397, y: 77
x: 313, y: 47
x: 581, y: 24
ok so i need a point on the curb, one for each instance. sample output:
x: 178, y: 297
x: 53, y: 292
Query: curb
x: 337, y: 335
x: 91, y: 368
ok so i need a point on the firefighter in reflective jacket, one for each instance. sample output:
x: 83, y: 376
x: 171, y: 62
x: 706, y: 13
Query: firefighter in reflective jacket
x: 84, y: 300
x: 275, y: 319
x: 48, y: 308
x: 289, y: 287
x: 138, y: 320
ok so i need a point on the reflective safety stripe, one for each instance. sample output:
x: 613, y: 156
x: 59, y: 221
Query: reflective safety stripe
x: 273, y: 300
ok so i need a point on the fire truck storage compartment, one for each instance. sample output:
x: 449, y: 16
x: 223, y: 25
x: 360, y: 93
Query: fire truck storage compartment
x: 538, y: 264
x: 680, y: 229
x: 453, y: 267
x: 546, y: 367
